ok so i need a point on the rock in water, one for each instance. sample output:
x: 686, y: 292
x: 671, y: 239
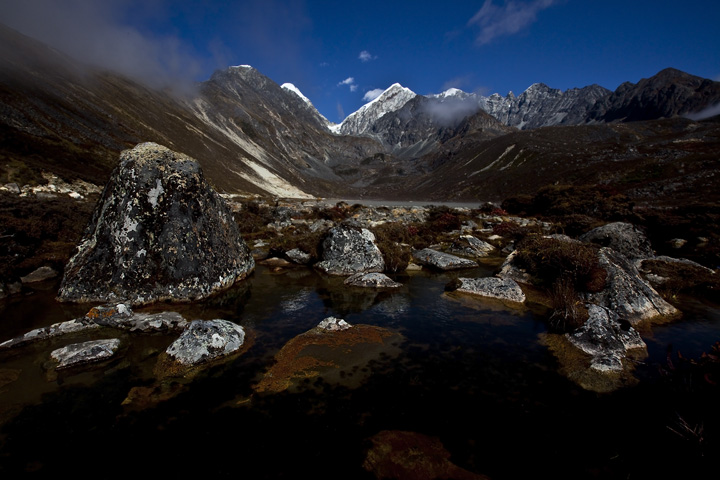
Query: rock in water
x: 348, y: 250
x: 204, y: 341
x: 159, y: 232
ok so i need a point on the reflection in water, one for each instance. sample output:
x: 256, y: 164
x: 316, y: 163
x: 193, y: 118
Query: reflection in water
x: 470, y: 373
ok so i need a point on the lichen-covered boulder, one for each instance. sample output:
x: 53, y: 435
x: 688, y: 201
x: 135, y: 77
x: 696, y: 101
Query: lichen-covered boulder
x: 204, y: 341
x: 626, y: 293
x: 348, y: 250
x: 471, y: 246
x: 159, y: 232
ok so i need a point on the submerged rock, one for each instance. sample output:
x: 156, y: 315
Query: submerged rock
x: 372, y: 280
x: 334, y: 351
x: 159, y: 232
x: 492, y: 287
x: 204, y: 341
x: 86, y: 352
x: 348, y: 250
x: 440, y: 260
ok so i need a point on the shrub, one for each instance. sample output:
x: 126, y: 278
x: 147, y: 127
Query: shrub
x: 392, y: 239
x: 564, y: 269
x: 301, y: 238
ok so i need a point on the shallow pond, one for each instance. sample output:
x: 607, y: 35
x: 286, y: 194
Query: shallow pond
x: 472, y: 373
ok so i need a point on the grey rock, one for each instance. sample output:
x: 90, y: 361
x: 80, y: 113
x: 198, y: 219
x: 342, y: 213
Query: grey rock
x: 471, y: 246
x: 371, y: 280
x: 606, y: 339
x: 203, y: 341
x: 622, y: 237
x: 39, y: 275
x: 493, y: 287
x: 441, y: 260
x: 54, y: 330
x: 333, y: 324
x: 84, y: 353
x: 626, y: 293
x: 348, y: 250
x: 298, y: 256
x: 159, y: 232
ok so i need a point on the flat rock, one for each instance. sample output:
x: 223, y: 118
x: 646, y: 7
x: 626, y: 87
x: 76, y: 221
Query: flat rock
x: 371, y: 280
x: 622, y: 237
x: 86, y: 352
x: 440, y: 260
x: 492, y: 287
x: 159, y: 232
x: 203, y: 341
x: 471, y: 246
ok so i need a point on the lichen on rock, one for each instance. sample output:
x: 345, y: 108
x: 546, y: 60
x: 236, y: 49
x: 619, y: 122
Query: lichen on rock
x: 159, y: 232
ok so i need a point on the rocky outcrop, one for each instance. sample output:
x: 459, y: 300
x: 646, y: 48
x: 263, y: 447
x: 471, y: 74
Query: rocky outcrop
x: 626, y: 293
x: 86, y: 352
x: 491, y: 287
x: 371, y: 280
x: 441, y: 260
x: 606, y: 339
x: 203, y: 341
x: 118, y: 316
x: 622, y: 237
x: 159, y: 232
x: 348, y: 250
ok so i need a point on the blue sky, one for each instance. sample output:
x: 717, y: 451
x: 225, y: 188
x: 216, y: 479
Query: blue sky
x: 336, y: 52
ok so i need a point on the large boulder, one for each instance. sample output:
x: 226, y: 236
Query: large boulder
x: 159, y: 232
x: 348, y: 250
x: 626, y: 293
x: 622, y: 237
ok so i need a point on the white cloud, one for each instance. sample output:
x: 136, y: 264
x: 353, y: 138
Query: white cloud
x: 372, y: 94
x: 350, y: 82
x: 366, y: 56
x: 495, y: 21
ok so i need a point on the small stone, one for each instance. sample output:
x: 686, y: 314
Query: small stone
x: 39, y: 275
x: 372, y: 280
x: 204, y: 341
x: 441, y: 260
x: 333, y: 324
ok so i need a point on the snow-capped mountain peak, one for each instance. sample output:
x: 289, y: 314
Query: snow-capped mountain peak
x: 292, y: 88
x: 392, y: 99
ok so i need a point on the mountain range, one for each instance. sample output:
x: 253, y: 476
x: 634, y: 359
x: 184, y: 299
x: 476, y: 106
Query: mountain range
x: 254, y: 136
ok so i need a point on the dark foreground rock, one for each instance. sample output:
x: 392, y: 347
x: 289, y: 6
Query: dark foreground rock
x: 348, y: 250
x: 492, y: 287
x: 440, y: 260
x: 159, y: 232
x: 412, y: 456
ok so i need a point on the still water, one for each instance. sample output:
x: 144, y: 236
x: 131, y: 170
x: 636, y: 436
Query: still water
x: 471, y: 373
